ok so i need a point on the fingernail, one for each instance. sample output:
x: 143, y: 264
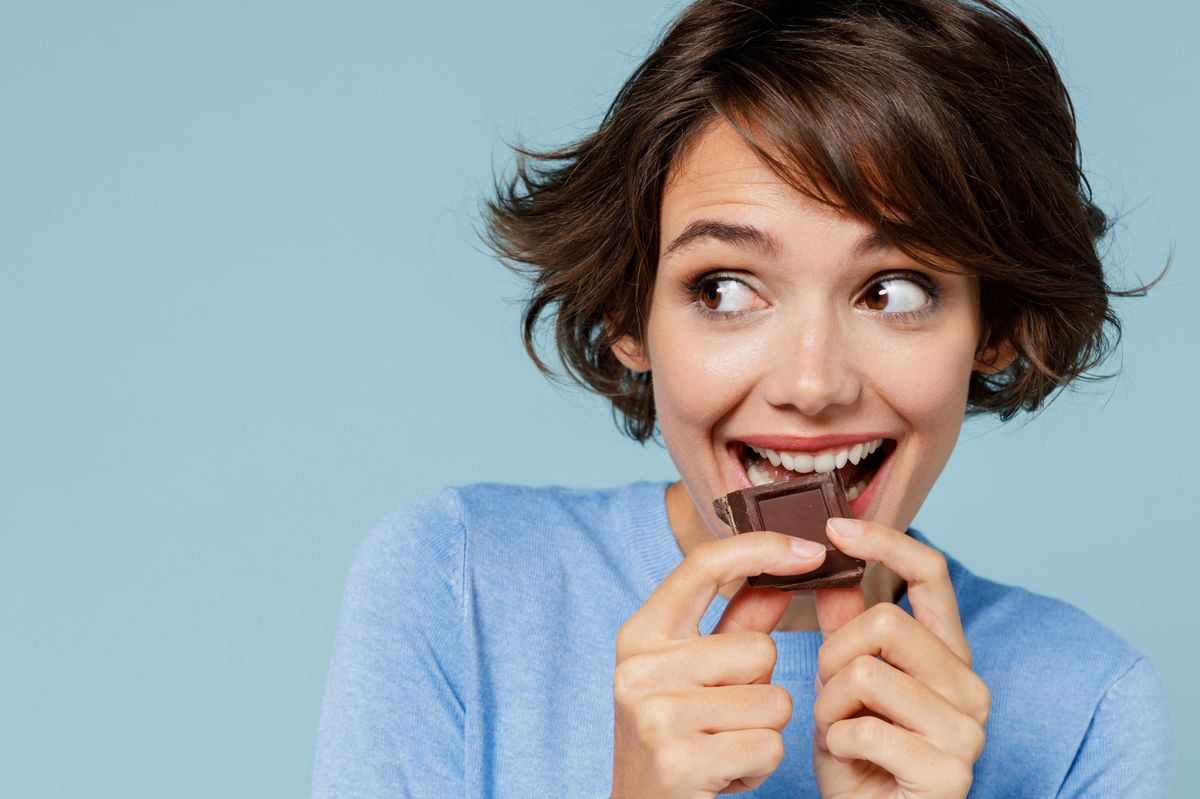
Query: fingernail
x: 845, y: 528
x: 807, y: 549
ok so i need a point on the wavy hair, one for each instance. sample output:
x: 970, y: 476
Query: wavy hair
x: 943, y: 124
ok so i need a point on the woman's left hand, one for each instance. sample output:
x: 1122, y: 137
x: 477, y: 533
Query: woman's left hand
x: 911, y: 723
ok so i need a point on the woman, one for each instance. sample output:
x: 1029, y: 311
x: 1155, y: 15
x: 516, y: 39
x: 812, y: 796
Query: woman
x: 806, y: 236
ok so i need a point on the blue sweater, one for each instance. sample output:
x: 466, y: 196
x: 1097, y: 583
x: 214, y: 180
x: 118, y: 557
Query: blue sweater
x: 475, y: 652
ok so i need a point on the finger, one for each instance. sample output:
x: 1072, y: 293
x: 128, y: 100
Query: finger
x: 728, y: 659
x: 908, y: 757
x: 730, y: 756
x: 732, y: 707
x: 754, y: 609
x: 930, y: 591
x: 869, y: 684
x: 836, y: 607
x: 888, y: 632
x: 744, y: 784
x: 673, y: 611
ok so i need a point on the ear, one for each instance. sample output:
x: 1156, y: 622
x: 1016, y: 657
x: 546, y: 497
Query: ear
x: 994, y: 357
x: 630, y: 352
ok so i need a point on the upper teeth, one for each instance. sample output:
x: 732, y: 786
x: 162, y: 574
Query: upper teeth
x: 827, y: 461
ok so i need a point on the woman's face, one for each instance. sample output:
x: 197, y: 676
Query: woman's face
x: 775, y: 323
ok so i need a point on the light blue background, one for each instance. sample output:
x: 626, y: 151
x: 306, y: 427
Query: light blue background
x: 243, y: 313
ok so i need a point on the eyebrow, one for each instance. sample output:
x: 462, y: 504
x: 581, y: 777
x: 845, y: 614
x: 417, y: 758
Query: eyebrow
x: 751, y: 238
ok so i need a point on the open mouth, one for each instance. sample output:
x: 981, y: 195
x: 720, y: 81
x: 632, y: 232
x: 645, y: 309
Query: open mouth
x: 856, y: 464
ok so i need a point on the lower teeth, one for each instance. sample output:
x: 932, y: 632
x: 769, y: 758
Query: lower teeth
x: 855, y: 490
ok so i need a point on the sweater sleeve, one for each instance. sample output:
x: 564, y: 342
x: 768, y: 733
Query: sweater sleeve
x: 392, y: 717
x: 1126, y: 751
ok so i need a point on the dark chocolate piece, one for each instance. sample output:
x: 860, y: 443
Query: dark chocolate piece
x: 798, y: 507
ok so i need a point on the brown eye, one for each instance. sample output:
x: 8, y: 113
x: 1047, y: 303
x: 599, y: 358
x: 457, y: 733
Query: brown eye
x: 724, y: 296
x: 896, y: 295
x: 876, y: 297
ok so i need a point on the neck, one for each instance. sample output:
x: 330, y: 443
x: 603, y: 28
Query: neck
x: 689, y: 528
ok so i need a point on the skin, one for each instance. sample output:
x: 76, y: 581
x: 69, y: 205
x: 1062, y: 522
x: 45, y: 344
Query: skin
x: 811, y: 354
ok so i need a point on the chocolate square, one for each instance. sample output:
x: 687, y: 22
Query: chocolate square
x: 798, y: 507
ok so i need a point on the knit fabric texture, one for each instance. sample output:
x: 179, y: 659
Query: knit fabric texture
x: 474, y: 657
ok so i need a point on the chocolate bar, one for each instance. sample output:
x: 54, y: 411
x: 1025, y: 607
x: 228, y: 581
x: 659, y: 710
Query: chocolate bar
x: 798, y: 507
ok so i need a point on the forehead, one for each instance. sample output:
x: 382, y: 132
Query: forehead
x: 719, y: 175
x: 718, y: 160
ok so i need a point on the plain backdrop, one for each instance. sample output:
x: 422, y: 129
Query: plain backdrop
x: 243, y: 313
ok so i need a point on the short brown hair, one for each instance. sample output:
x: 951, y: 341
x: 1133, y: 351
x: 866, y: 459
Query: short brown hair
x: 944, y: 124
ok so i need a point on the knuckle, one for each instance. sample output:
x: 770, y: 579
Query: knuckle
x: 758, y: 746
x: 765, y: 651
x: 672, y: 763
x: 772, y: 546
x: 625, y: 641
x: 654, y: 719
x: 864, y: 673
x: 629, y: 678
x: 983, y: 702
x: 823, y: 717
x: 934, y: 566
x: 978, y: 700
x: 621, y: 687
x: 784, y: 699
x: 768, y: 745
x: 867, y: 732
x: 974, y: 737
x: 824, y: 661
x: 887, y: 619
x: 780, y: 700
x: 959, y: 775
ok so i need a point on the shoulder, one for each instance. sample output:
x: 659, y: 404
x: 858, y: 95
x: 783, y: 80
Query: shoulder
x: 1044, y: 629
x: 489, y: 505
x: 1019, y: 629
x: 421, y: 540
x: 1037, y: 652
x: 432, y: 527
x: 1126, y: 751
x: 504, y: 521
x: 446, y: 530
x: 399, y: 653
x: 1068, y: 696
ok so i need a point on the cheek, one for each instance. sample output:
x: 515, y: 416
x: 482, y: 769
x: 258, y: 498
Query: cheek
x: 925, y: 379
x: 698, y: 379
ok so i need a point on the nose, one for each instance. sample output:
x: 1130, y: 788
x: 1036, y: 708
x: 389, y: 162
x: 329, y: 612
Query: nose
x: 814, y: 371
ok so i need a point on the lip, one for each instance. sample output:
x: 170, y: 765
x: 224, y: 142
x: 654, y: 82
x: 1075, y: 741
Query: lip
x: 809, y: 443
x: 734, y: 448
x: 860, y: 507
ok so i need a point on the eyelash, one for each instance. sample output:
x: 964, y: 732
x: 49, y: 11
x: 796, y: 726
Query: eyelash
x: 692, y: 288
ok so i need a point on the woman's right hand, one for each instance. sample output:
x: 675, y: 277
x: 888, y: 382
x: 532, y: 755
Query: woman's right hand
x: 696, y: 715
